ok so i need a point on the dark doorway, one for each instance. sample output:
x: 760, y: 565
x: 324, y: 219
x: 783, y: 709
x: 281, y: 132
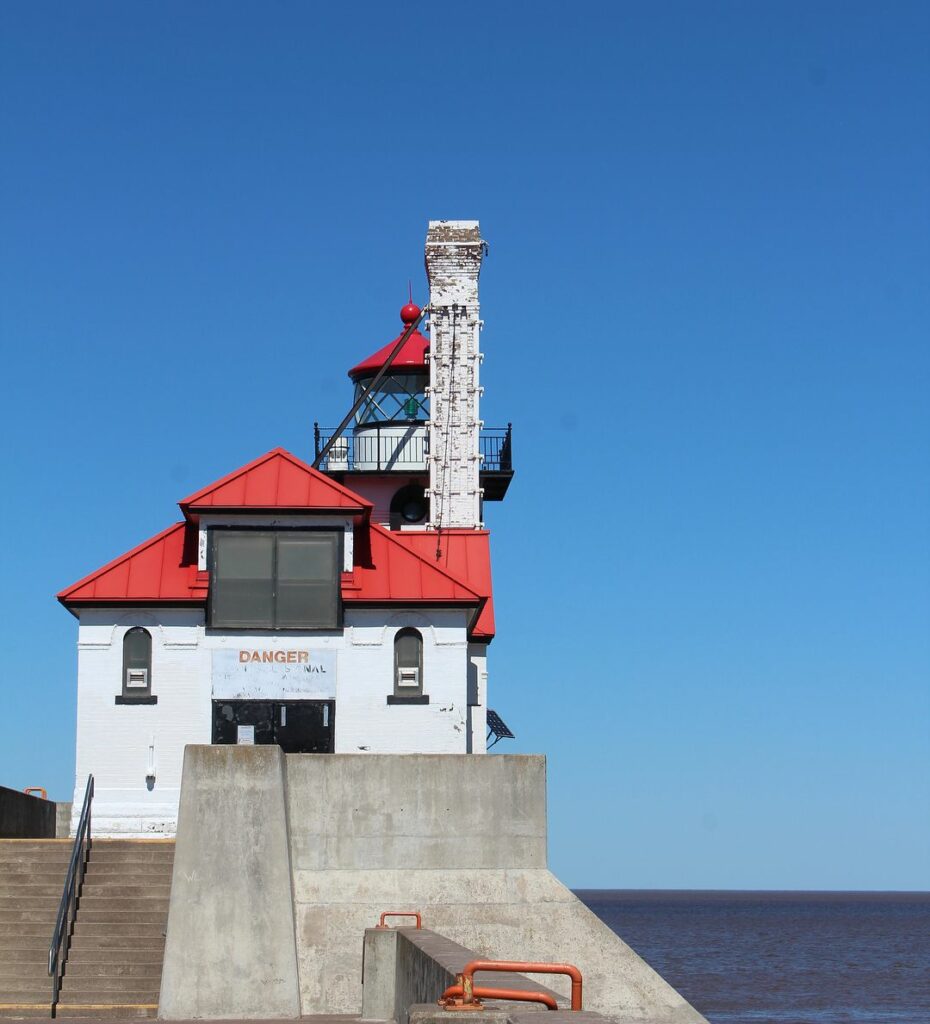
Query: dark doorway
x: 297, y: 726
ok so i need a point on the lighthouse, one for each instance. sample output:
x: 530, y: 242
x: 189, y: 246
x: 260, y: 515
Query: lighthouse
x: 341, y: 604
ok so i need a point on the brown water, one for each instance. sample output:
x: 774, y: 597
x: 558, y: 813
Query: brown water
x: 782, y: 957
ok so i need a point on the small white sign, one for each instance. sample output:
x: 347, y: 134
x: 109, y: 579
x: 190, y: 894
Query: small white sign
x: 245, y: 734
x: 273, y: 673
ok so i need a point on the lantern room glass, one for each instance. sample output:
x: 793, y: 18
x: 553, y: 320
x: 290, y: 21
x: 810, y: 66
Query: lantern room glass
x: 398, y: 398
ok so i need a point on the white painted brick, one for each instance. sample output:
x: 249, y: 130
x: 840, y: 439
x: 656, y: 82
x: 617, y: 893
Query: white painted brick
x: 113, y: 739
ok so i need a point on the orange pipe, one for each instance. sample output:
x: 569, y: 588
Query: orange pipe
x: 521, y: 967
x: 400, y: 913
x: 453, y: 996
x: 36, y: 789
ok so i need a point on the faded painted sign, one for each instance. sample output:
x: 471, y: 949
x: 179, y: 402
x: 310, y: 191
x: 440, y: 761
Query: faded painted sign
x: 245, y: 734
x: 273, y: 673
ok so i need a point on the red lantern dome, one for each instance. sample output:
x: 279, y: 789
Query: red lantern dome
x: 410, y: 359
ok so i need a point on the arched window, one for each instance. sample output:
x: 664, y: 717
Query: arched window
x: 137, y: 662
x: 408, y: 663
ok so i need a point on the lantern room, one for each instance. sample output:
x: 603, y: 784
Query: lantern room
x: 389, y: 432
x: 384, y: 451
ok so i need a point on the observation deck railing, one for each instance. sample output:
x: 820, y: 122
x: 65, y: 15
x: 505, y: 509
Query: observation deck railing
x: 388, y: 446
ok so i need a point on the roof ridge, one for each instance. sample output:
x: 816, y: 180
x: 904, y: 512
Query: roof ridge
x: 277, y: 452
x: 138, y: 549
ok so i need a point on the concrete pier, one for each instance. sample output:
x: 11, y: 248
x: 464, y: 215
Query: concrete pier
x: 331, y: 841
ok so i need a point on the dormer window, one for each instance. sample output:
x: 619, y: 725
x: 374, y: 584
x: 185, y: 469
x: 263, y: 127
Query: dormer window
x: 275, y: 579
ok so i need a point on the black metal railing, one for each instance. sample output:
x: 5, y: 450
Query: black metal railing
x: 402, y: 446
x: 64, y: 923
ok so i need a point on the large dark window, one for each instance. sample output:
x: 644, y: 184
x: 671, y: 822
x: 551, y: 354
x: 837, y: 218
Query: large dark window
x: 287, y: 579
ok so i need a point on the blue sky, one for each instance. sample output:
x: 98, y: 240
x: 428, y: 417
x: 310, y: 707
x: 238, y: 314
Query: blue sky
x: 707, y: 317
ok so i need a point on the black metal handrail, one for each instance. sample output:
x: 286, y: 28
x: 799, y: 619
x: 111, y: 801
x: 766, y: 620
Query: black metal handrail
x: 370, y: 448
x: 58, y: 948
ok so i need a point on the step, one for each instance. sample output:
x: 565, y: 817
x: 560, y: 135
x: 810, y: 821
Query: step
x: 133, y: 845
x: 98, y: 1011
x: 153, y: 865
x: 145, y: 855
x: 25, y: 915
x: 12, y: 988
x: 56, y: 878
x: 74, y: 971
x: 34, y: 978
x: 22, y: 953
x: 94, y: 888
x: 142, y: 850
x: 31, y: 902
x: 25, y: 990
x: 117, y: 913
x: 35, y: 844
x: 15, y: 939
x: 19, y: 1011
x: 102, y: 899
x: 30, y: 887
x: 135, y: 984
x: 131, y: 926
x: 26, y: 861
x: 12, y: 969
x: 97, y: 879
x: 108, y: 945
x: 134, y: 957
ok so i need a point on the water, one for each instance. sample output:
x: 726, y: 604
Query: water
x: 782, y: 958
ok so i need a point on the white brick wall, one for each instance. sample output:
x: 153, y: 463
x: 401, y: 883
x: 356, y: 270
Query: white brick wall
x: 113, y: 740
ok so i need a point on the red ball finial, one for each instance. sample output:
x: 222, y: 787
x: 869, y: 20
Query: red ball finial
x: 410, y: 312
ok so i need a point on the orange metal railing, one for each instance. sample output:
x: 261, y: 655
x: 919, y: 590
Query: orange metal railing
x: 400, y: 913
x: 36, y: 789
x: 465, y: 995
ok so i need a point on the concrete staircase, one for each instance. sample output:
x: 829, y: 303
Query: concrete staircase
x: 32, y: 872
x: 115, y: 960
x: 118, y: 942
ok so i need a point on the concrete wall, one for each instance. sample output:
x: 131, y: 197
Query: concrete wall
x: 230, y: 949
x: 25, y: 817
x: 62, y: 819
x: 119, y: 742
x: 421, y: 811
x: 461, y: 839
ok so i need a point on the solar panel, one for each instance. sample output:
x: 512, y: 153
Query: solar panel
x: 497, y: 728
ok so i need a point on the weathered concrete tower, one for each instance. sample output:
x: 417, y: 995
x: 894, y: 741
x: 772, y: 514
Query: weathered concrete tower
x: 454, y: 250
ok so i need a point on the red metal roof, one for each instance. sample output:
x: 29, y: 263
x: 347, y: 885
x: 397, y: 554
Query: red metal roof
x: 163, y: 568
x: 412, y: 357
x: 465, y: 554
x: 388, y: 570
x: 277, y: 480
